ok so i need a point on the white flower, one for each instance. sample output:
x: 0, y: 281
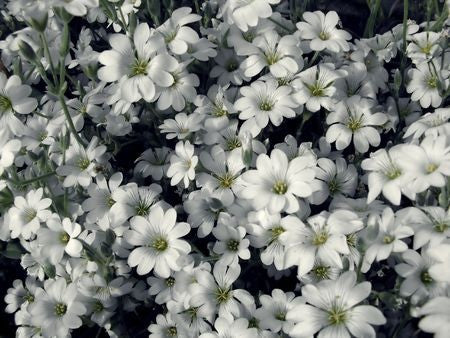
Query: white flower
x: 429, y: 163
x: 277, y: 182
x: 430, y: 124
x: 59, y: 237
x: 247, y: 13
x: 424, y: 47
x: 167, y: 326
x: 27, y: 214
x: 222, y: 178
x: 387, y: 174
x: 227, y: 68
x: 315, y: 86
x: 149, y: 66
x: 332, y: 308
x: 81, y: 164
x: 182, y: 164
x: 76, y: 7
x: 153, y: 162
x: 157, y: 241
x: 215, y: 107
x: 265, y: 230
x: 57, y: 308
x: 131, y: 200
x: 100, y: 201
x: 176, y: 35
x: 427, y: 81
x: 336, y: 178
x: 431, y: 225
x: 321, y: 29
x: 418, y: 283
x: 14, y: 98
x: 231, y: 244
x: 9, y: 150
x: 354, y: 120
x: 264, y: 101
x: 272, y: 313
x: 19, y: 294
x: 323, y: 238
x: 279, y: 54
x: 226, y: 327
x: 213, y: 294
x: 182, y: 126
x: 182, y: 89
x: 389, y: 231
x: 436, y: 317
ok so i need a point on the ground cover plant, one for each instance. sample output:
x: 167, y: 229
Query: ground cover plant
x: 224, y: 168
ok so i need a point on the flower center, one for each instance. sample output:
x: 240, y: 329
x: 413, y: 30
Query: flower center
x: 432, y: 82
x: 139, y: 67
x: 83, y: 163
x: 336, y: 316
x: 321, y: 271
x: 426, y: 278
x: 354, y: 123
x: 43, y: 136
x: 281, y: 316
x: 431, y: 168
x: 30, y: 214
x: 426, y: 49
x: 60, y: 309
x: 275, y: 233
x: 222, y: 295
x: 440, y: 227
x: 98, y: 307
x: 64, y: 237
x: 170, y: 282
x: 272, y: 57
x: 253, y: 323
x: 172, y: 331
x: 320, y: 238
x: 159, y: 244
x: 109, y: 201
x: 233, y: 245
x: 388, y: 239
x: 248, y: 36
x: 233, y: 143
x: 266, y: 105
x: 280, y: 188
x: 29, y: 298
x: 351, y: 240
x: 393, y: 173
x: 316, y: 90
x: 232, y: 65
x: 142, y: 208
x: 5, y: 104
x: 219, y: 111
x: 324, y: 35
x: 334, y: 186
x: 226, y: 180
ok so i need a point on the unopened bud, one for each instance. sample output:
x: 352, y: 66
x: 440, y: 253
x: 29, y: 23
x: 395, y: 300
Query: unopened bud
x: 27, y: 51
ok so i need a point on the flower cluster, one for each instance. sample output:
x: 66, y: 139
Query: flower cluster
x: 225, y: 170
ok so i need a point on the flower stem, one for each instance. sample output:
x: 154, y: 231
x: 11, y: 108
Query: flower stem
x: 32, y: 180
x: 405, y: 29
x: 280, y: 25
x: 310, y: 63
x: 69, y: 119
